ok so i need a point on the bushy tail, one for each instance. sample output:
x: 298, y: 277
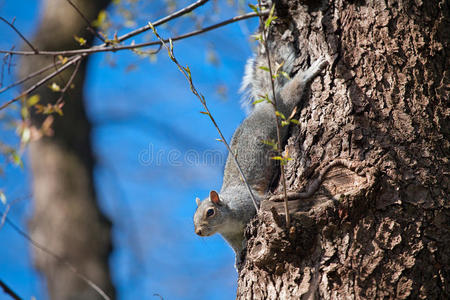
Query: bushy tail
x: 256, y: 82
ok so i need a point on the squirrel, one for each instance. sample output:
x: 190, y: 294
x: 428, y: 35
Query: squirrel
x: 229, y: 211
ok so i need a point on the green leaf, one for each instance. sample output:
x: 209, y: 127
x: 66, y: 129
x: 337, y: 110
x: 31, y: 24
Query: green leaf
x: 33, y: 100
x: 253, y: 7
x: 257, y: 37
x: 55, y: 87
x: 284, y: 123
x: 286, y: 75
x: 294, y: 121
x: 269, y: 143
x: 277, y: 158
x: 62, y: 59
x: 270, y: 18
x: 264, y: 68
x: 269, y: 21
x: 280, y: 114
x: 101, y: 18
x: 17, y: 160
x: 82, y: 41
x: 24, y: 112
x: 58, y: 110
x: 272, y: 10
x: 259, y: 101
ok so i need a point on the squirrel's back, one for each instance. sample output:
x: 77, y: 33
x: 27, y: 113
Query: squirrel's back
x: 250, y: 142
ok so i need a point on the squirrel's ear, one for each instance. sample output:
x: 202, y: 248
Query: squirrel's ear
x: 197, y: 200
x: 214, y: 197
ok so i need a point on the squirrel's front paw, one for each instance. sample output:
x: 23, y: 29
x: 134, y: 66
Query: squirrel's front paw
x: 319, y: 64
x: 315, y: 69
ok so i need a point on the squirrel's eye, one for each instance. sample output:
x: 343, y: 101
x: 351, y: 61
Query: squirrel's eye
x: 210, y: 212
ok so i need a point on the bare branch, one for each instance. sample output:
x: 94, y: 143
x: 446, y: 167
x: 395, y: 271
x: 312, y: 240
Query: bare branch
x: 8, y: 208
x: 187, y: 73
x: 21, y: 35
x: 59, y: 259
x: 102, y: 48
x: 97, y: 49
x: 42, y: 81
x: 32, y: 75
x: 91, y: 29
x: 163, y: 20
x: 122, y: 38
x: 9, y: 291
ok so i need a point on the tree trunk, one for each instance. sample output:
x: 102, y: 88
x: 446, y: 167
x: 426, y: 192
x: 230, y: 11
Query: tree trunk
x: 66, y: 217
x: 382, y: 230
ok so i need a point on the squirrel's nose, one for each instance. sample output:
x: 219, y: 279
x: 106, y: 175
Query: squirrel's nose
x: 198, y: 231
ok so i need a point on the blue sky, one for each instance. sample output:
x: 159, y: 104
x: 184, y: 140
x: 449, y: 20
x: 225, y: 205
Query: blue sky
x: 153, y: 151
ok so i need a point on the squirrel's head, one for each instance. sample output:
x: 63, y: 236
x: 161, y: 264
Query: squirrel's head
x: 210, y: 215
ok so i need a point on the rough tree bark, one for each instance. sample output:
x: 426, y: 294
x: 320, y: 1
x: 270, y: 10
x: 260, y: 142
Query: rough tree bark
x: 66, y: 217
x: 384, y: 231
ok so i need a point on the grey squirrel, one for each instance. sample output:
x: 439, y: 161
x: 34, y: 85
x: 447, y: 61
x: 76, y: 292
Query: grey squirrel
x: 229, y: 211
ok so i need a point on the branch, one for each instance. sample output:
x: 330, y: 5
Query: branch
x: 35, y: 51
x: 163, y: 20
x: 97, y: 49
x: 91, y: 29
x: 38, y: 72
x: 42, y: 81
x: 59, y: 259
x: 102, y: 48
x: 9, y: 291
x: 187, y: 73
x: 84, y: 52
x: 122, y: 38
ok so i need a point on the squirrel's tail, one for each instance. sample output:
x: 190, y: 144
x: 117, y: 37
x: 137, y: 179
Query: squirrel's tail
x: 256, y: 81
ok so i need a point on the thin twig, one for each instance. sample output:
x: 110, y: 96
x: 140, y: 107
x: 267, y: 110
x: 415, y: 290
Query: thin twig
x: 163, y: 20
x: 8, y: 208
x: 10, y: 60
x: 122, y: 38
x: 274, y: 102
x: 69, y: 82
x: 59, y: 259
x: 37, y: 73
x: 5, y: 213
x: 9, y: 291
x: 91, y: 29
x: 187, y: 73
x: 97, y: 49
x: 35, y: 50
x: 42, y: 81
